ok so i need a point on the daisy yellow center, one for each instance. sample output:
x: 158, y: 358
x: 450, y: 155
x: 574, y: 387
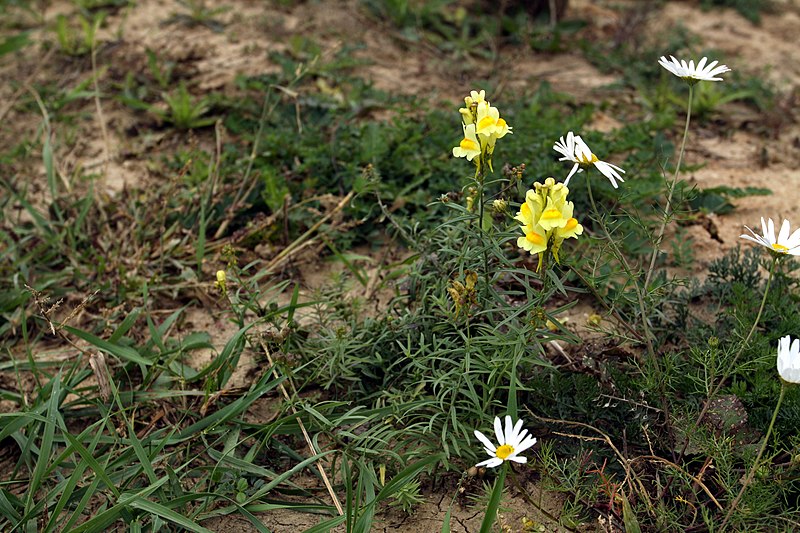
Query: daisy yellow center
x: 504, y: 451
x: 571, y: 224
x: 468, y: 144
x: 780, y: 248
x: 535, y: 238
x: 588, y: 160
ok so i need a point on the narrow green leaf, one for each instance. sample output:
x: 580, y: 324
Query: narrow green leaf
x: 494, y: 501
x: 327, y: 526
x: 286, y: 475
x: 99, y: 471
x: 100, y: 521
x: 123, y: 352
x: 48, y: 431
x: 7, y: 508
x: 125, y: 326
x: 14, y: 43
x: 90, y: 491
x: 629, y: 517
x: 446, y: 521
x: 397, y: 482
x: 168, y: 514
x: 75, y: 476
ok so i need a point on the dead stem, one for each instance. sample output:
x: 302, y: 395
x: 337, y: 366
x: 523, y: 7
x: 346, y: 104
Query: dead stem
x: 309, y: 442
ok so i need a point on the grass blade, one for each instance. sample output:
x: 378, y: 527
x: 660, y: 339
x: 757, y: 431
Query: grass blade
x: 168, y: 514
x: 122, y: 352
x: 494, y: 501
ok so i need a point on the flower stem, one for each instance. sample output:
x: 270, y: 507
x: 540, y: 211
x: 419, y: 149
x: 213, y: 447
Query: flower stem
x: 494, y: 500
x: 755, y: 466
x: 481, y: 179
x: 742, y: 348
x: 668, y: 206
x: 618, y: 254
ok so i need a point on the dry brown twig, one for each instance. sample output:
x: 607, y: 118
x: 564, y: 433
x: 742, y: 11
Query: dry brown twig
x: 630, y: 477
x: 627, y: 464
x: 303, y: 240
x: 311, y: 448
x: 97, y: 360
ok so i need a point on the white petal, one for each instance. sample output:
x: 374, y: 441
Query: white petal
x: 517, y: 459
x: 524, y: 445
x: 486, y: 442
x: 606, y: 170
x: 784, y: 233
x: 509, y: 434
x: 575, y: 167
x: 491, y: 463
x: 763, y: 227
x: 615, y: 167
x: 516, y: 431
x: 498, y: 431
x: 520, y: 437
x: 757, y: 240
x: 794, y: 239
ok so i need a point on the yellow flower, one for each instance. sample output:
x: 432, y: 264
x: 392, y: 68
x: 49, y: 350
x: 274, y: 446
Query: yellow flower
x: 489, y: 124
x: 221, y: 283
x: 469, y: 146
x: 472, y: 101
x: 475, y: 97
x: 482, y: 127
x: 571, y: 230
x: 534, y: 240
x: 546, y: 219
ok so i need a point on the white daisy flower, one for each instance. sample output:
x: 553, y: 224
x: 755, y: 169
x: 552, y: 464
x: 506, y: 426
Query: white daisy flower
x: 574, y: 149
x: 691, y: 73
x: 511, y: 442
x: 789, y: 359
x: 784, y: 244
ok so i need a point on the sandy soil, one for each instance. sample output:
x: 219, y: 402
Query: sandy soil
x: 210, y: 60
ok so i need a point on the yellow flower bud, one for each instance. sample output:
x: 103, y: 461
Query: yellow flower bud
x: 221, y: 283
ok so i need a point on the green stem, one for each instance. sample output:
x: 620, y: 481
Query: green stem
x: 742, y: 348
x: 494, y: 500
x: 481, y: 178
x: 668, y: 207
x: 755, y: 466
x: 601, y: 222
x: 760, y: 310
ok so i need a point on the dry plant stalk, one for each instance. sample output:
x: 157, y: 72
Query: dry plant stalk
x: 303, y: 240
x: 100, y: 370
x: 630, y: 476
x: 311, y: 448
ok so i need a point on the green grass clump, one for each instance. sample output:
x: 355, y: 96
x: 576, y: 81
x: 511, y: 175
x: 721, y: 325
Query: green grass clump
x: 749, y: 9
x: 166, y: 366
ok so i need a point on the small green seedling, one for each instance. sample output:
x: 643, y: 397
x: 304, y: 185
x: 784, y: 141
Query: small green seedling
x: 184, y: 111
x: 78, y: 42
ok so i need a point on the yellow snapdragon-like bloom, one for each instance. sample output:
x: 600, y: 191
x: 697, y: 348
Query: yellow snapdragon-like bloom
x: 546, y: 219
x: 469, y: 146
x: 221, y: 283
x: 489, y: 124
x: 483, y: 122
